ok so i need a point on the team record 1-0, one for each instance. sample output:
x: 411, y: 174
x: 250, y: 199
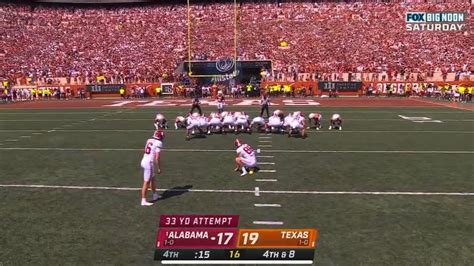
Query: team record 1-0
x: 215, y: 239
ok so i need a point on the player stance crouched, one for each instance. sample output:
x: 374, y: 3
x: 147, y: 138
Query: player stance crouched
x: 215, y: 123
x: 275, y: 123
x: 258, y: 123
x: 180, y: 122
x: 160, y: 122
x: 228, y: 122
x: 242, y: 123
x: 297, y: 125
x: 246, y: 160
x: 336, y: 122
x: 316, y: 118
x: 193, y: 124
x: 151, y: 158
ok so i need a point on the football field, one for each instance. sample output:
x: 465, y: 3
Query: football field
x: 395, y: 187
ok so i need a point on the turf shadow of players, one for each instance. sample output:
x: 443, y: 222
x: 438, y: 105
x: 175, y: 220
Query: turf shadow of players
x: 174, y: 192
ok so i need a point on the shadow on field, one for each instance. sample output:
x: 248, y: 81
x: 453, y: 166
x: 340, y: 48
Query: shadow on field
x: 176, y: 191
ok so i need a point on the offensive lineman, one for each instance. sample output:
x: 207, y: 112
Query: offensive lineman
x: 335, y: 122
x: 150, y: 160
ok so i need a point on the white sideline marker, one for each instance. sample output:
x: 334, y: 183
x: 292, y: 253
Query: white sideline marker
x: 52, y: 130
x: 257, y: 191
x: 268, y: 222
x: 265, y: 156
x: 265, y: 141
x: 264, y: 145
x: 25, y: 136
x: 267, y: 205
x: 268, y: 163
x: 266, y: 180
x: 11, y: 140
x: 264, y: 137
x: 36, y: 133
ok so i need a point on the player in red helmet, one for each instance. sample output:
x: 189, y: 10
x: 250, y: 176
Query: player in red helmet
x: 246, y: 158
x: 150, y: 160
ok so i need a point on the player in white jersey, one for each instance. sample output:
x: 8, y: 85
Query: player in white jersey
x: 297, y: 125
x: 160, y: 122
x: 204, y: 124
x: 150, y: 160
x: 192, y: 125
x: 316, y: 117
x: 335, y: 122
x: 180, y: 122
x: 287, y: 121
x: 274, y: 123
x: 242, y: 123
x: 215, y: 123
x: 228, y: 122
x: 259, y: 123
x: 246, y: 158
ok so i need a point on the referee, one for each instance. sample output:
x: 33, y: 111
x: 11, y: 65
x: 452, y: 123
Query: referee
x: 264, y: 102
x: 196, y: 104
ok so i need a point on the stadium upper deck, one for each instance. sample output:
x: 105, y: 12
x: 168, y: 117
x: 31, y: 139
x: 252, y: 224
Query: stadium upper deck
x: 144, y: 42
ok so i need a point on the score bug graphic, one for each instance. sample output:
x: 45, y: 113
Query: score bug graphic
x: 277, y: 238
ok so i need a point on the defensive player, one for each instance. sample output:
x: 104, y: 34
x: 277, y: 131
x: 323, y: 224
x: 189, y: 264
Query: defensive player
x: 316, y: 117
x: 297, y: 125
x: 246, y: 158
x: 180, y: 122
x: 335, y: 122
x: 150, y: 162
x: 220, y: 102
x: 160, y: 122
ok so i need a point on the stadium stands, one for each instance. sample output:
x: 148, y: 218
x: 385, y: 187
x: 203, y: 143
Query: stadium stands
x: 146, y: 43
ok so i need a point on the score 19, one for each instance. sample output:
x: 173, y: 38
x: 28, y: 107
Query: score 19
x: 250, y: 238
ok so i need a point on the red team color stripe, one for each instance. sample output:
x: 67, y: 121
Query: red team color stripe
x: 197, y: 238
x: 199, y: 221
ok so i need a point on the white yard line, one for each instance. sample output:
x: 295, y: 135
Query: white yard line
x: 265, y: 141
x: 269, y: 151
x: 265, y: 156
x: 264, y: 137
x: 266, y: 180
x: 11, y: 140
x: 264, y: 145
x: 25, y: 136
x: 267, y: 205
x: 395, y: 193
x: 267, y: 171
x: 266, y: 163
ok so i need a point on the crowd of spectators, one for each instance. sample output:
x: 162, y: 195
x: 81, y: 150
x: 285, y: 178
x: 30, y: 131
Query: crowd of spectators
x: 147, y: 43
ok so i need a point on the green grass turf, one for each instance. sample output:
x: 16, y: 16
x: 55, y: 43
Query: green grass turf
x: 59, y: 226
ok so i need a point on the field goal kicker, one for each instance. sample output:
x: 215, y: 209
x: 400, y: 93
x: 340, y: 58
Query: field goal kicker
x: 223, y: 66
